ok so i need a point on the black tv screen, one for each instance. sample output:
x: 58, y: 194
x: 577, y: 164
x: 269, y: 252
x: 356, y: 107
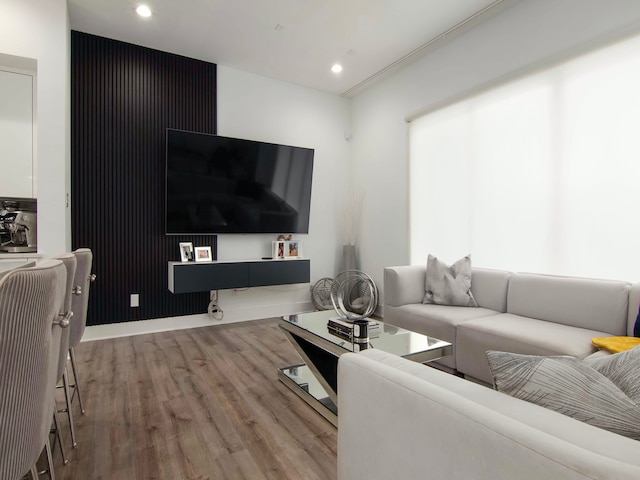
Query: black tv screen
x: 220, y: 184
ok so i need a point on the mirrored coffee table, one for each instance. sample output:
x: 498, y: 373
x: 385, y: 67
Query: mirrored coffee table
x: 316, y: 380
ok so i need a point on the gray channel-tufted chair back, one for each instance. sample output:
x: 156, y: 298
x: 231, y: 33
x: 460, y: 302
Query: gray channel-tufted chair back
x: 70, y: 263
x: 80, y: 303
x: 31, y: 300
x: 80, y: 300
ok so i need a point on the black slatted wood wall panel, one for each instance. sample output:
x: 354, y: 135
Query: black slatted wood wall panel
x: 123, y: 98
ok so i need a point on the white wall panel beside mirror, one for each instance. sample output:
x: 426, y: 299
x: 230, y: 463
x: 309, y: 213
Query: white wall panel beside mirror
x: 17, y: 128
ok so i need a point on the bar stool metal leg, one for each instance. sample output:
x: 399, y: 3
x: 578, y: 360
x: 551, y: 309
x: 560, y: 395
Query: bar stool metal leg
x: 56, y: 422
x: 76, y: 389
x: 47, y: 446
x: 67, y: 396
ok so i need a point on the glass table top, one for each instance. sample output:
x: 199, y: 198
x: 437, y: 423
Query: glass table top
x: 389, y: 338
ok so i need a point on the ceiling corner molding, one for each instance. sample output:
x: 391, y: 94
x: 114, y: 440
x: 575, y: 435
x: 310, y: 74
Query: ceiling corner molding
x: 468, y: 23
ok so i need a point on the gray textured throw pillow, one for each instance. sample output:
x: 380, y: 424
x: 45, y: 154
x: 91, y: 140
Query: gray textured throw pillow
x: 449, y: 285
x: 623, y: 369
x: 568, y: 386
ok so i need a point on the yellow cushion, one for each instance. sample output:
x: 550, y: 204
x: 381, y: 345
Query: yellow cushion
x: 616, y: 344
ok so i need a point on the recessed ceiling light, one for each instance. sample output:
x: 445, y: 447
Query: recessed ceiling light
x: 143, y: 11
x: 337, y: 68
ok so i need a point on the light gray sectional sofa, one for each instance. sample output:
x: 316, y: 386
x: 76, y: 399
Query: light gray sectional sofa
x: 517, y: 312
x: 403, y: 420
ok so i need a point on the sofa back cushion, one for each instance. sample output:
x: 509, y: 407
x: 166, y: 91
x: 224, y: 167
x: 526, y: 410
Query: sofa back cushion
x: 406, y: 284
x: 601, y: 305
x: 489, y: 288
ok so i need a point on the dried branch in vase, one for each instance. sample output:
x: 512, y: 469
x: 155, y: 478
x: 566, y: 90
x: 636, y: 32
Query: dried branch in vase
x: 351, y: 215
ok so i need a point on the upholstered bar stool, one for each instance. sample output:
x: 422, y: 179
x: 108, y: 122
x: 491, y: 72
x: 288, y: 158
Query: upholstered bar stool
x: 79, y: 305
x: 31, y: 300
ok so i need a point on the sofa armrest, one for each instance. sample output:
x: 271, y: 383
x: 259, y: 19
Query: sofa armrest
x: 404, y: 284
x: 398, y: 419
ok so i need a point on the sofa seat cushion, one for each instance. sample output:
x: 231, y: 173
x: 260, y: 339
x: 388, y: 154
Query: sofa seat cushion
x: 512, y: 333
x: 439, y: 321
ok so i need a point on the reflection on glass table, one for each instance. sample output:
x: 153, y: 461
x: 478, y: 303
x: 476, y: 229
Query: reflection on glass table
x: 316, y: 380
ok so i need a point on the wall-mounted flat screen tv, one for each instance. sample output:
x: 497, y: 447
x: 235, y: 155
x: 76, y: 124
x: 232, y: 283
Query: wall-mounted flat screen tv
x: 218, y: 184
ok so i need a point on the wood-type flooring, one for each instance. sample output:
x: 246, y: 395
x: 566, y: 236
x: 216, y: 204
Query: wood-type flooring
x: 202, y: 403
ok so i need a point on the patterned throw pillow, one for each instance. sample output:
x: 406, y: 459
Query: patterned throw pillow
x: 568, y: 386
x: 636, y: 327
x: 446, y: 285
x: 623, y: 369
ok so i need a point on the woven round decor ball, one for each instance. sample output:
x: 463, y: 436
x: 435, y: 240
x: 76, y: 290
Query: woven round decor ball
x: 321, y: 294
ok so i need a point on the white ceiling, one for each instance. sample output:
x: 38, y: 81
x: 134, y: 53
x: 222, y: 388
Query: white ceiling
x: 292, y: 40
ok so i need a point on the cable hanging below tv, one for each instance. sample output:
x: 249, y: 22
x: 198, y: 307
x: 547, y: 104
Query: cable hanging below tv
x: 218, y: 184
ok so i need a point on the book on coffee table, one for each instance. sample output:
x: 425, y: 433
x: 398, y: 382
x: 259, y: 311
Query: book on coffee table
x: 344, y: 328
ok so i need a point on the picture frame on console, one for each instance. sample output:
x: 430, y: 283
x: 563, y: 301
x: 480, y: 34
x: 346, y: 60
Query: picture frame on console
x: 293, y: 249
x: 286, y: 249
x: 203, y: 254
x: 279, y: 249
x: 186, y: 251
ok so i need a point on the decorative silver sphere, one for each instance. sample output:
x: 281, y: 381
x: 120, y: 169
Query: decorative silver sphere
x: 354, y: 295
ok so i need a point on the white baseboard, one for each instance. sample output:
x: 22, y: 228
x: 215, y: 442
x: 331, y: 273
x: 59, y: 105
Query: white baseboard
x: 141, y: 327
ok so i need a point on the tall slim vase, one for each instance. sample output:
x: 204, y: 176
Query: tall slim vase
x: 349, y: 257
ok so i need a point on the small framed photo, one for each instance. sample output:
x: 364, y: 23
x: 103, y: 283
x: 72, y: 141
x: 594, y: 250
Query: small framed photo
x: 203, y: 254
x: 279, y: 249
x: 186, y: 252
x: 293, y: 249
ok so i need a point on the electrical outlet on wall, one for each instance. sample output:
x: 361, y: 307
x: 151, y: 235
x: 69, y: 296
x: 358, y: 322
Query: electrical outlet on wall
x: 135, y: 300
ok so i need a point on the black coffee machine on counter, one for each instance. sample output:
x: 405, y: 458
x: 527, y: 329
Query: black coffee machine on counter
x: 18, y: 226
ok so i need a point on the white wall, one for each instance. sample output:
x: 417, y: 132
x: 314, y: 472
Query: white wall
x: 259, y: 108
x: 39, y: 30
x: 529, y: 33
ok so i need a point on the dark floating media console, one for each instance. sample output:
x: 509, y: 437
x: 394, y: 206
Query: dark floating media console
x: 189, y: 277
